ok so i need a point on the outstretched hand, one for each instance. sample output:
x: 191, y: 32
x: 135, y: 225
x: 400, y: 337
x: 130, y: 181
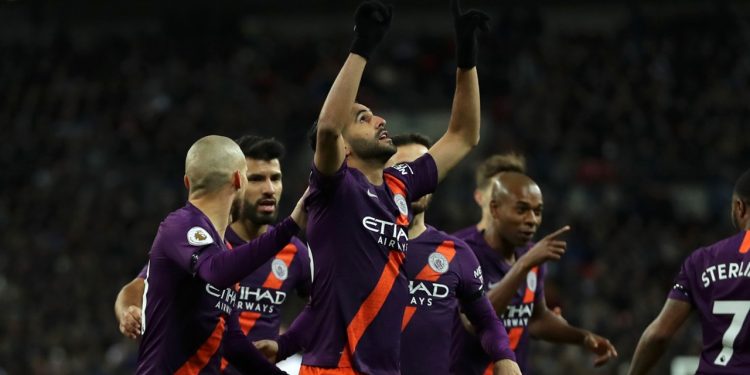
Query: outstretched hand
x: 548, y: 248
x: 600, y: 346
x: 467, y: 24
x: 371, y: 21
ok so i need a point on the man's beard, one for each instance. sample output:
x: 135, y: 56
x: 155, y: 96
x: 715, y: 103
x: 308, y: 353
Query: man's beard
x: 250, y: 212
x: 368, y: 150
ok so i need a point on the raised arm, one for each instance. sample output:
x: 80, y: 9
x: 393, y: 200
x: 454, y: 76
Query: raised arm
x: 654, y: 341
x: 463, y: 129
x: 548, y: 248
x: 371, y: 21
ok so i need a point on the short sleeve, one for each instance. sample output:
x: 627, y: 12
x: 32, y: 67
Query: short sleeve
x: 322, y: 183
x: 681, y: 289
x: 471, y: 282
x: 419, y: 176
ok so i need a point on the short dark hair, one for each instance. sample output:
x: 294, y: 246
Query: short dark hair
x: 312, y: 135
x: 410, y: 139
x: 490, y: 167
x: 260, y: 148
x: 742, y: 187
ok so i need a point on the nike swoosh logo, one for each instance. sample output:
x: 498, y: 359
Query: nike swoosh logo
x: 371, y: 194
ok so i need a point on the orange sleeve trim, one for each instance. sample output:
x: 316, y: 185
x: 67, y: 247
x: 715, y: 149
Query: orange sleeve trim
x: 203, y: 355
x: 371, y: 306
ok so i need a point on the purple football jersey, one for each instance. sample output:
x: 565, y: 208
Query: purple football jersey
x: 442, y: 270
x: 471, y: 359
x: 715, y: 280
x: 262, y: 293
x: 357, y: 234
x: 184, y: 317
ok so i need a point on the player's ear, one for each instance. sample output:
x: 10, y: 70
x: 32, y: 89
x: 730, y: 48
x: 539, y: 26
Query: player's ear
x: 478, y: 197
x: 237, y: 180
x: 186, y: 181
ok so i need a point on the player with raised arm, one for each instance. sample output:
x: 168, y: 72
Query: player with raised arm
x: 359, y: 210
x: 188, y: 294
x: 443, y: 274
x: 715, y: 282
x: 514, y: 274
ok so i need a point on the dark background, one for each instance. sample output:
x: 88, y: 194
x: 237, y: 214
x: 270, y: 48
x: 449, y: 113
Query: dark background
x: 633, y: 118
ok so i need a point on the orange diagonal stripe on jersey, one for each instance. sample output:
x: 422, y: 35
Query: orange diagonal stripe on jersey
x: 490, y: 369
x: 448, y: 249
x: 745, y: 247
x: 286, y: 255
x: 370, y: 308
x: 408, y: 313
x: 514, y: 335
x: 248, y: 320
x: 200, y: 359
x: 397, y: 187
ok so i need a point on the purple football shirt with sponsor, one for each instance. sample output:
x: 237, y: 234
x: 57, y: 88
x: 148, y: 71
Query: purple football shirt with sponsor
x: 357, y: 234
x: 715, y: 280
x: 262, y: 293
x: 471, y: 359
x: 443, y: 273
x: 184, y: 317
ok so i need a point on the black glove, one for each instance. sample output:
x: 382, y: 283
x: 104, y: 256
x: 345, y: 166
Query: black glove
x: 466, y: 25
x: 371, y: 21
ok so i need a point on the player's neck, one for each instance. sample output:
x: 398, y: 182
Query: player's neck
x: 372, y: 169
x: 496, y: 242
x: 247, y: 230
x: 216, y: 207
x: 417, y: 226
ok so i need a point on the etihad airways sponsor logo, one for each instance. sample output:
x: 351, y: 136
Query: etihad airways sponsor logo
x: 422, y: 292
x: 518, y: 315
x: 390, y: 235
x: 260, y: 300
x: 226, y: 297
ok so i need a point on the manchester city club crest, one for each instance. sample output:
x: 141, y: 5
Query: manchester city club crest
x: 531, y: 281
x: 279, y: 269
x: 403, y: 207
x: 438, y: 262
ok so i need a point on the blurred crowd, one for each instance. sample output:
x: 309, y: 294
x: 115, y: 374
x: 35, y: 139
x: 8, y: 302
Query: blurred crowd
x: 635, y: 136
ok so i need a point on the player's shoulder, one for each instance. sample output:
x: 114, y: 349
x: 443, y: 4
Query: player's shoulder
x: 722, y: 247
x: 405, y: 169
x: 188, y: 224
x: 299, y: 246
x: 461, y: 247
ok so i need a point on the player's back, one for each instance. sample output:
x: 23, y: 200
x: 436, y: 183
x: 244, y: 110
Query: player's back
x: 715, y: 280
x: 184, y: 317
